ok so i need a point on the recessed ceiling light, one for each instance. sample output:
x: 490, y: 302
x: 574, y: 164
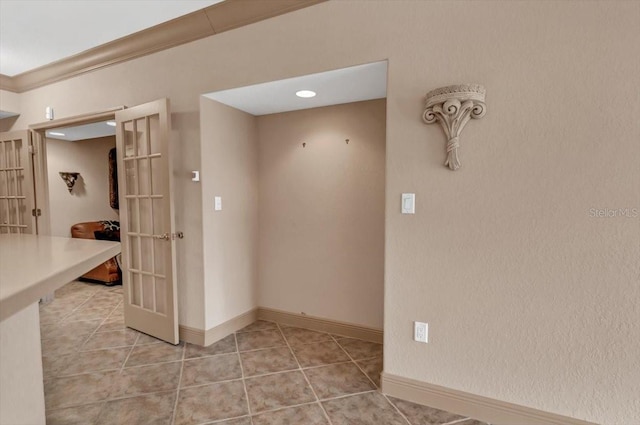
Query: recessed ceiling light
x: 55, y: 133
x: 305, y: 93
x: 111, y: 123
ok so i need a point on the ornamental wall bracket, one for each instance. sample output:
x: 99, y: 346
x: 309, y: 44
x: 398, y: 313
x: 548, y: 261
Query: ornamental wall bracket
x: 69, y: 178
x: 453, y: 107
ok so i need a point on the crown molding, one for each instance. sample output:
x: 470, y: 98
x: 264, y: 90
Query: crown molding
x: 6, y: 83
x: 214, y: 19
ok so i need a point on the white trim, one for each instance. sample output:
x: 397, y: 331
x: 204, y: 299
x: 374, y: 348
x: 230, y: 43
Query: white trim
x: 321, y: 324
x: 191, y: 335
x: 230, y: 326
x: 493, y: 411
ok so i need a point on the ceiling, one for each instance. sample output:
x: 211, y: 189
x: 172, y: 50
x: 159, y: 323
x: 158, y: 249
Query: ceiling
x: 37, y: 32
x: 353, y: 84
x: 83, y: 132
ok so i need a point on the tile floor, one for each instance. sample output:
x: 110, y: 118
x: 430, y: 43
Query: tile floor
x: 96, y: 371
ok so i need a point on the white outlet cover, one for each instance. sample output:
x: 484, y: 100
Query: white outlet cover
x: 421, y: 332
x: 217, y: 203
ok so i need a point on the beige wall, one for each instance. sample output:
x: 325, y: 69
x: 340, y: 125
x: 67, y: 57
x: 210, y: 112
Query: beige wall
x: 89, y: 200
x: 529, y: 298
x: 229, y: 170
x: 322, y: 212
x: 9, y: 102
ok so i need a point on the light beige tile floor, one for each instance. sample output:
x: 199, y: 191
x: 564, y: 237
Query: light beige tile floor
x: 99, y: 372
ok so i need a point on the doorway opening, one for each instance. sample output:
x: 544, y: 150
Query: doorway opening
x: 83, y: 188
x: 303, y: 182
x: 78, y: 128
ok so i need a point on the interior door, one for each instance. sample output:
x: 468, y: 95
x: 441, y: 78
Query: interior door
x: 16, y: 184
x: 147, y: 220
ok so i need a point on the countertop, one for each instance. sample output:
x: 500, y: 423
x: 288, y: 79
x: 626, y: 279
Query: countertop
x: 32, y: 266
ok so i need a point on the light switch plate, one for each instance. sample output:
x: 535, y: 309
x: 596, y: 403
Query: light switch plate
x: 408, y: 203
x: 218, y: 203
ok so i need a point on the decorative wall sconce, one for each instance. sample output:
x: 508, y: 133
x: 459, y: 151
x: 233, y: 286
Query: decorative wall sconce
x: 452, y: 107
x: 69, y: 178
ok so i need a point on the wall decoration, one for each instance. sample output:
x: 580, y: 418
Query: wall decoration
x: 453, y: 107
x: 113, y: 180
x: 69, y: 178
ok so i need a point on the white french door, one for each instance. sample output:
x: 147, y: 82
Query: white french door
x: 16, y: 184
x: 147, y: 220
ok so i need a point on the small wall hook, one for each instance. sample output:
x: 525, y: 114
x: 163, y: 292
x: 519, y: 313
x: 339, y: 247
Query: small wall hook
x: 304, y: 144
x: 346, y: 140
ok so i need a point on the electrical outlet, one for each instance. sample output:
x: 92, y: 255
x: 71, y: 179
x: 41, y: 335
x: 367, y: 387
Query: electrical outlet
x: 421, y: 332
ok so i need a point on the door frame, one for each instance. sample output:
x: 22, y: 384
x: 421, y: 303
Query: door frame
x: 40, y: 171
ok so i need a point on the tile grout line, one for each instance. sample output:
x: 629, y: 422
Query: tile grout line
x: 257, y: 330
x: 78, y: 351
x: 175, y: 404
x: 101, y: 323
x: 43, y: 338
x: 378, y: 389
x: 86, y: 338
x: 357, y: 365
x: 221, y: 421
x: 104, y: 402
x: 226, y: 381
x: 120, y: 368
x: 347, y: 395
x: 82, y: 304
x: 107, y: 400
x: 244, y: 384
x: 457, y: 421
x: 77, y: 308
x: 395, y: 407
x: 129, y: 354
x: 278, y: 409
x: 326, y: 415
x: 123, y: 397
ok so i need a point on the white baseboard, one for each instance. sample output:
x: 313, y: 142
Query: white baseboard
x: 320, y: 324
x: 493, y: 411
x: 230, y: 326
x: 208, y: 337
x: 191, y: 335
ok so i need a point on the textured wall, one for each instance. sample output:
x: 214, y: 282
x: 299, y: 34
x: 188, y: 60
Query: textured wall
x: 322, y: 212
x: 89, y: 200
x: 229, y: 170
x: 9, y: 102
x: 530, y: 299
